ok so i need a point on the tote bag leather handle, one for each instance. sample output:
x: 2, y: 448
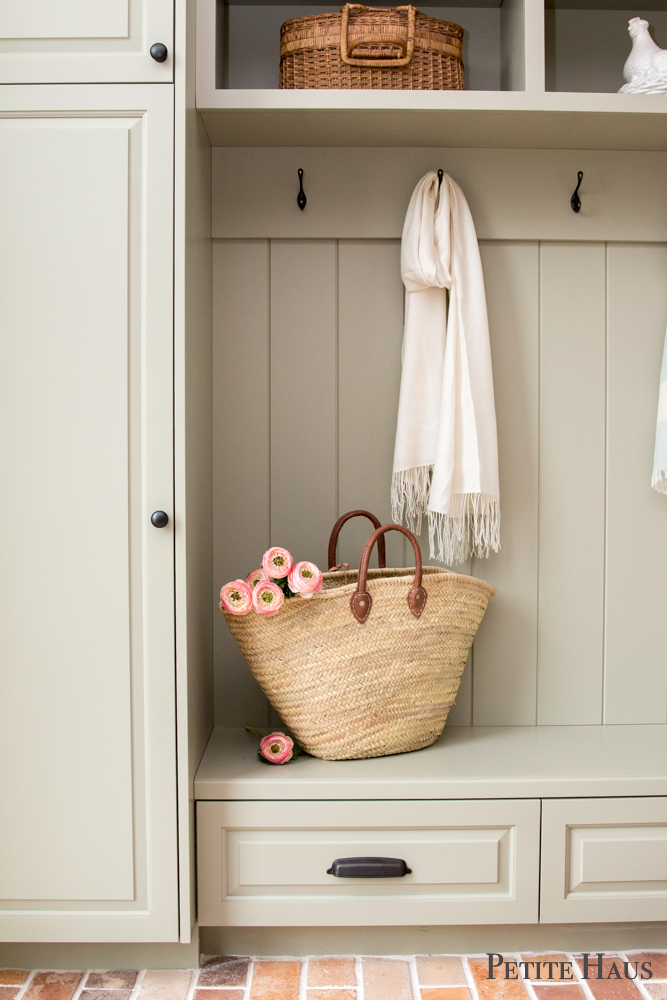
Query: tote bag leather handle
x: 361, y: 602
x: 406, y: 43
x: 335, y: 531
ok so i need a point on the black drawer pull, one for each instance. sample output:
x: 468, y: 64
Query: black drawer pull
x: 369, y: 868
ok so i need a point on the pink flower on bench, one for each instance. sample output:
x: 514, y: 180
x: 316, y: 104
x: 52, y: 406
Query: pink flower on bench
x: 277, y: 748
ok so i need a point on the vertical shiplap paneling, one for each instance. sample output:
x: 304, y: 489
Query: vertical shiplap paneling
x: 572, y: 483
x: 635, y: 689
x: 303, y: 396
x: 240, y: 453
x: 370, y: 304
x: 505, y: 652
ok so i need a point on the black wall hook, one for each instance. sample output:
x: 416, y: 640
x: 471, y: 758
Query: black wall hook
x: 301, y: 197
x: 575, y: 200
x: 441, y: 174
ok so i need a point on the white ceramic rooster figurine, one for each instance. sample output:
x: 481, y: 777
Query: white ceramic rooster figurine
x: 645, y: 71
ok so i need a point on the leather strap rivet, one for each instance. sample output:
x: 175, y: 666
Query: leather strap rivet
x: 416, y: 596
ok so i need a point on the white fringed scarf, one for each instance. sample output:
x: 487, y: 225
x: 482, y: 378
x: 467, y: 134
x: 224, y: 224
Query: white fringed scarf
x: 446, y: 453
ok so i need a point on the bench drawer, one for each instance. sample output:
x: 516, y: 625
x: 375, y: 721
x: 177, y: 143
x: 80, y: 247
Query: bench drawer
x: 604, y: 860
x: 471, y: 862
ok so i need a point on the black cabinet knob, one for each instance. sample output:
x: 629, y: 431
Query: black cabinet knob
x: 159, y: 519
x: 159, y: 52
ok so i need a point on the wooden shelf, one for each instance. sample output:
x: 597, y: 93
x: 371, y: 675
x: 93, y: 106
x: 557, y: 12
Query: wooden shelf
x: 511, y: 119
x: 465, y: 763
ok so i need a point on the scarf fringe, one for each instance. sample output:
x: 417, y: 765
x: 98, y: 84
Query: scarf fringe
x: 409, y: 495
x: 659, y: 480
x: 472, y: 529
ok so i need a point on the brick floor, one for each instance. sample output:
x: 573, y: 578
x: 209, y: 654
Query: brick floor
x: 104, y: 994
x: 440, y: 970
x: 386, y: 979
x: 445, y: 993
x: 658, y: 991
x: 496, y: 988
x: 223, y: 971
x: 215, y: 993
x: 424, y: 977
x: 117, y: 980
x: 13, y: 977
x: 53, y: 986
x: 275, y: 980
x: 165, y: 984
x: 559, y: 991
x: 331, y: 972
x: 605, y: 988
x: 656, y: 959
x: 336, y: 994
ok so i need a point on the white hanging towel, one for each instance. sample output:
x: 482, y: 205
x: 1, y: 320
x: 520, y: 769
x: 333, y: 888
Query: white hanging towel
x: 446, y: 452
x: 659, y: 480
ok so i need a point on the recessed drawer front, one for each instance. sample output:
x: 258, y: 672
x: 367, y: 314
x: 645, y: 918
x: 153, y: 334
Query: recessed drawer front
x: 604, y: 860
x: 471, y: 862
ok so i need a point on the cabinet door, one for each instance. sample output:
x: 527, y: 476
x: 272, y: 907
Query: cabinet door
x: 604, y: 859
x: 76, y: 41
x: 87, y: 732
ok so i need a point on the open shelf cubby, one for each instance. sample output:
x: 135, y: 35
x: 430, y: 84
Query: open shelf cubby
x: 586, y: 42
x: 248, y: 54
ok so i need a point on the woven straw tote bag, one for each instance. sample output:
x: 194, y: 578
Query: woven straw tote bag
x: 371, y: 48
x: 371, y: 664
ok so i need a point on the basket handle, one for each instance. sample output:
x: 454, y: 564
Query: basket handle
x: 335, y: 531
x: 361, y: 601
x: 406, y: 44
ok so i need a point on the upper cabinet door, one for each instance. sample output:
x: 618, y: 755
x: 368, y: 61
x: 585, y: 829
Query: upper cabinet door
x: 79, y: 41
x: 87, y: 703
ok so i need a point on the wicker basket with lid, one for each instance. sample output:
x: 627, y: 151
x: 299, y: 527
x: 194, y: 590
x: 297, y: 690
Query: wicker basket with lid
x: 371, y: 48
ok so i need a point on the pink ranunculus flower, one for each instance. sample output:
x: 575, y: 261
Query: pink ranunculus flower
x: 305, y: 579
x: 277, y: 748
x: 236, y: 597
x: 277, y: 563
x: 267, y: 597
x: 255, y: 577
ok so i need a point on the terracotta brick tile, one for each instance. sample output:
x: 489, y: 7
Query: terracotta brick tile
x: 105, y: 994
x: 122, y: 979
x: 332, y: 994
x: 657, y: 959
x: 446, y: 993
x: 657, y: 990
x: 8, y: 992
x: 216, y: 994
x: 223, y: 971
x: 386, y: 979
x: 165, y: 984
x: 275, y: 981
x: 13, y: 977
x: 331, y: 972
x: 609, y: 988
x: 560, y: 991
x: 498, y: 988
x: 440, y: 970
x: 53, y: 985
